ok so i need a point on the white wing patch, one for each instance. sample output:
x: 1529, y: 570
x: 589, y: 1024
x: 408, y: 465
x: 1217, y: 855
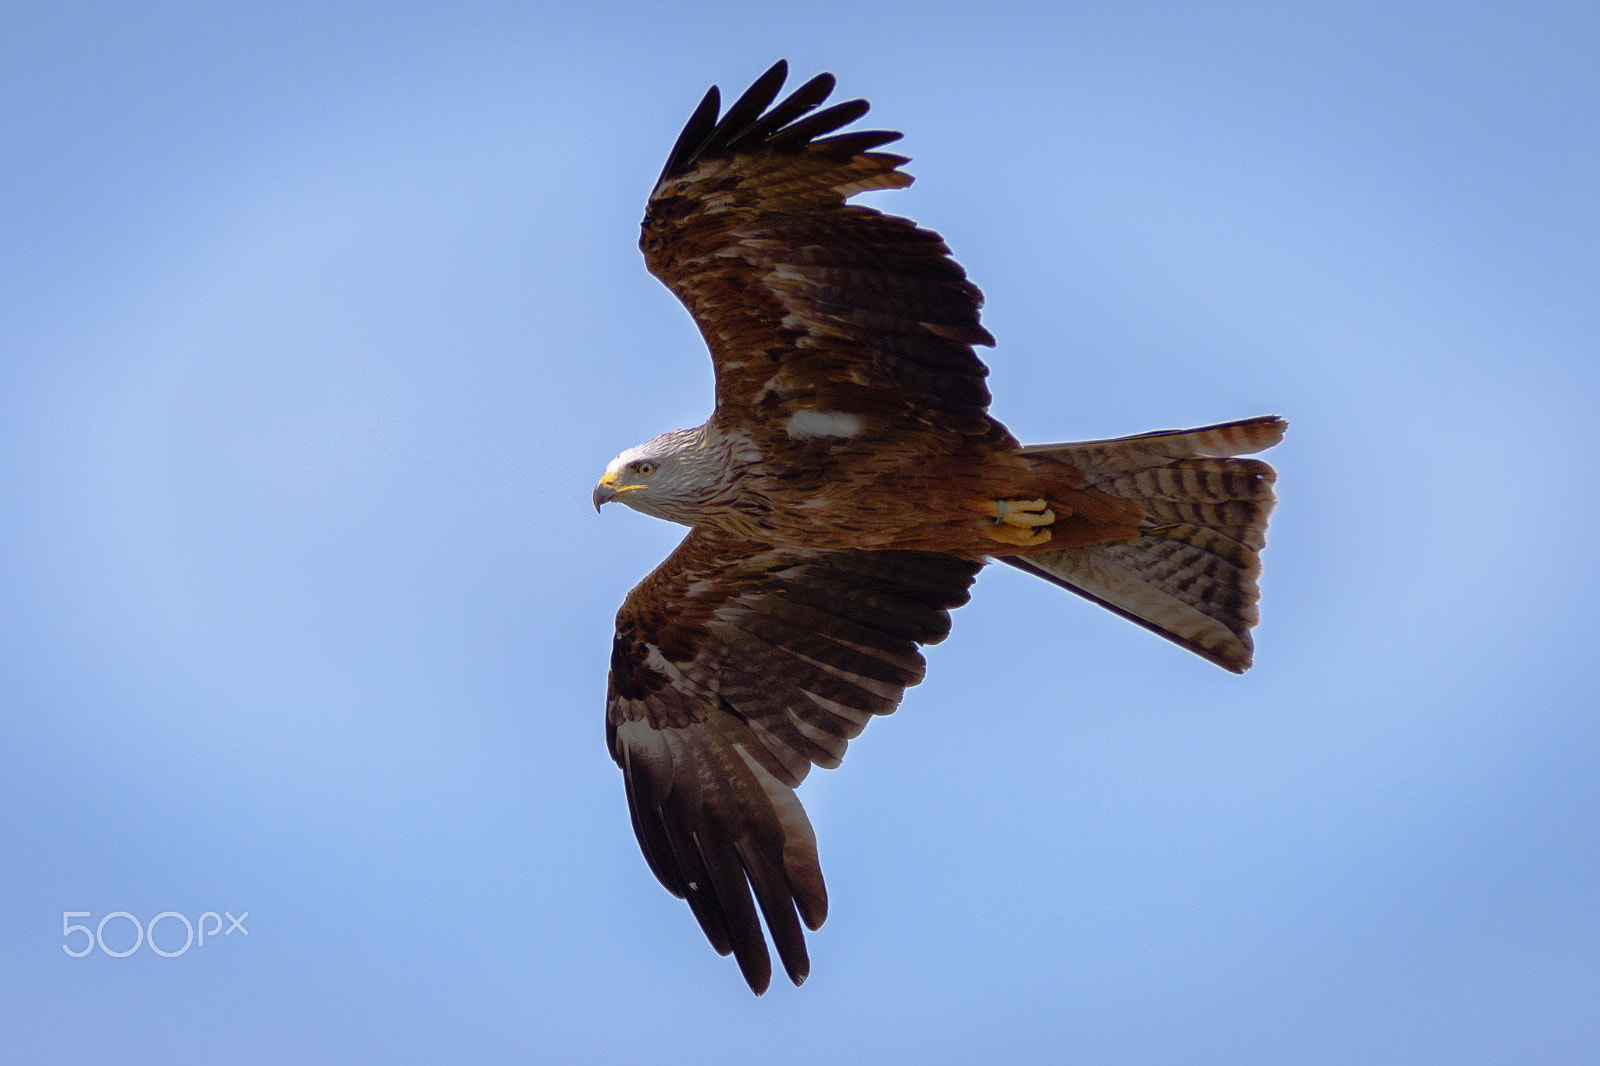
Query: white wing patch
x: 806, y: 425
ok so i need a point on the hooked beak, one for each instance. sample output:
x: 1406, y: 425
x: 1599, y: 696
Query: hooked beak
x: 608, y: 490
x: 605, y: 492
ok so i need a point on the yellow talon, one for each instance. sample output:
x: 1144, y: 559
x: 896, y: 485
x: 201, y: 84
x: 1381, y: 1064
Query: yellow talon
x: 1016, y: 521
x: 1022, y: 513
x: 1022, y: 538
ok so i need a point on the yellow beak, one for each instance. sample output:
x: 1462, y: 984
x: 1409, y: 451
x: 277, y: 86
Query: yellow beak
x: 608, y: 490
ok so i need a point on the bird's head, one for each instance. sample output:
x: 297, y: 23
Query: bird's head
x: 664, y: 477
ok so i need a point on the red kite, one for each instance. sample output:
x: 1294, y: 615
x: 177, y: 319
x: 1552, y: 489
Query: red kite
x: 846, y: 490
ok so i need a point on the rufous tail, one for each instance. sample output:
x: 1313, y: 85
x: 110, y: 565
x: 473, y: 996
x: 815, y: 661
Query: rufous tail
x: 1191, y: 575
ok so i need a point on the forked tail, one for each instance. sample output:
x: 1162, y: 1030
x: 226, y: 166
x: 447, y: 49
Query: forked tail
x: 1191, y: 575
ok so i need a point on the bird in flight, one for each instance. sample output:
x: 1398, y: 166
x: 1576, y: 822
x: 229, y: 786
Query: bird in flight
x: 843, y: 495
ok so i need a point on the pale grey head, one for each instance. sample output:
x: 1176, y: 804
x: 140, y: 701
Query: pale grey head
x: 673, y: 476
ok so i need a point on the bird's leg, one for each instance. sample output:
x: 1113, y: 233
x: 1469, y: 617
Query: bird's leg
x: 1016, y: 521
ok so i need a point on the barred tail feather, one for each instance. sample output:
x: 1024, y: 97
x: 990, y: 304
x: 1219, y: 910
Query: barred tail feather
x: 1191, y: 576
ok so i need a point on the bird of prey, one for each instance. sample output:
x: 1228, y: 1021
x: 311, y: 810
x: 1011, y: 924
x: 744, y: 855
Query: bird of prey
x: 843, y: 495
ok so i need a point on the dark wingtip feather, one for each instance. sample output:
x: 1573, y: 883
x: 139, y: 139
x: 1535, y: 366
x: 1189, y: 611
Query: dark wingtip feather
x: 695, y: 133
x: 823, y: 122
x: 757, y: 975
x: 749, y: 107
x: 813, y: 906
x: 796, y: 104
x: 785, y: 127
x: 856, y: 143
x: 750, y: 948
x: 764, y: 868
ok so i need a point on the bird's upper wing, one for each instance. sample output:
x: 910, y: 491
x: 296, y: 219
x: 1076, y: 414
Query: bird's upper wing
x: 809, y: 303
x: 732, y: 672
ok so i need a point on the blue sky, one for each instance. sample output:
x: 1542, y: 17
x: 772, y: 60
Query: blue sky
x: 320, y: 322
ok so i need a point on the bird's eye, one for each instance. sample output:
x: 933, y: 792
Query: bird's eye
x: 645, y: 469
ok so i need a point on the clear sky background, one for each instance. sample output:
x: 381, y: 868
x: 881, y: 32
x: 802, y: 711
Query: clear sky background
x: 319, y: 321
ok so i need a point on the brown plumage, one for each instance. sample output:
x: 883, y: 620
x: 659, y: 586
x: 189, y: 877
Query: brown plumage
x: 843, y: 496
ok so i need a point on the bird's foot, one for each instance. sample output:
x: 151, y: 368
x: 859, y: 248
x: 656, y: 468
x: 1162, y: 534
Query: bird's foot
x: 1017, y: 522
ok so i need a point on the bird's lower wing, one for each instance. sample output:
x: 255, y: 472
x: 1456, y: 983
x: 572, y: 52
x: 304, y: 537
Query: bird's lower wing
x: 733, y: 670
